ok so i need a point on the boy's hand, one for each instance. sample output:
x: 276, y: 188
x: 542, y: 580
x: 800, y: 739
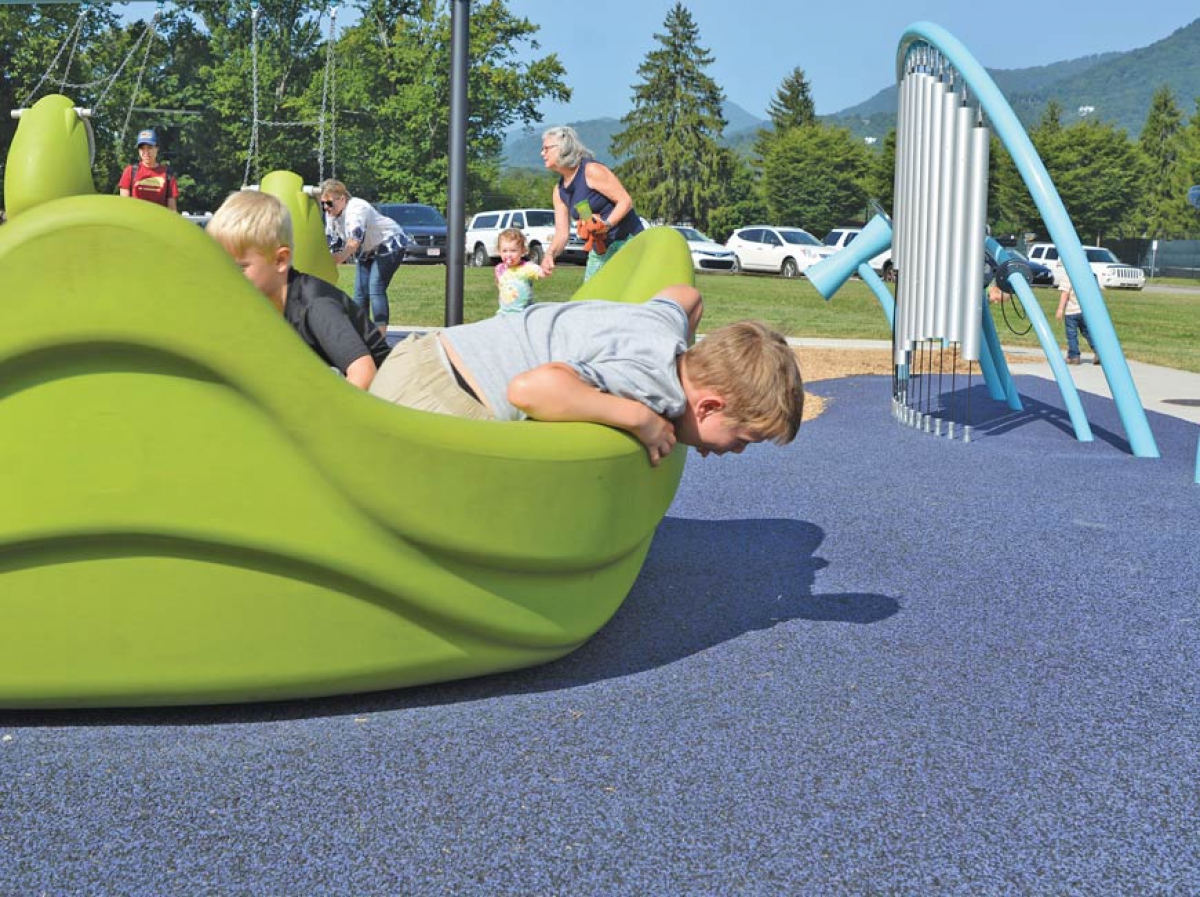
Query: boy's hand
x: 657, y: 434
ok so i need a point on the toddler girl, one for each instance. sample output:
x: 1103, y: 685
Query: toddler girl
x: 514, y: 275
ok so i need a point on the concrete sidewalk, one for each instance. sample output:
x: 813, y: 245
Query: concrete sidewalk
x: 1164, y: 390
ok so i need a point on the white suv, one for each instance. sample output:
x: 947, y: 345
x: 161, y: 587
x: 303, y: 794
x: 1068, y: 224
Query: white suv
x: 840, y: 237
x: 536, y: 224
x: 1109, y: 270
x: 787, y: 251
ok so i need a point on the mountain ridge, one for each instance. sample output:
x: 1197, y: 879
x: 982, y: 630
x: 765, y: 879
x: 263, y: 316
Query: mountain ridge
x: 1116, y: 87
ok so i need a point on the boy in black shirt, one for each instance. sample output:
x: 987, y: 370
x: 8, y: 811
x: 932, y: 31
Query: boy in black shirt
x: 256, y: 230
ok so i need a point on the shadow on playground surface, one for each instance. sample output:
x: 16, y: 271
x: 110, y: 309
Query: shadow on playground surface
x: 871, y: 661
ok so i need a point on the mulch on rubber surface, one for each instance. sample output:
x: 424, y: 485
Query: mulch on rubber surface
x: 870, y: 661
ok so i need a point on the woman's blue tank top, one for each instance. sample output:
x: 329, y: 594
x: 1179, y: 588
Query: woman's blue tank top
x: 601, y: 205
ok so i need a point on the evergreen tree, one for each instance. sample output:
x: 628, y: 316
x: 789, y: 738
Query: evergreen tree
x: 880, y: 183
x: 1051, y: 120
x: 1159, y: 146
x: 1011, y: 209
x: 675, y: 165
x: 741, y: 203
x: 1098, y: 173
x: 1184, y: 220
x: 816, y: 177
x: 791, y: 107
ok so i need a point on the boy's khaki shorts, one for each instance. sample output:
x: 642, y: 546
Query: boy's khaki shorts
x: 417, y: 375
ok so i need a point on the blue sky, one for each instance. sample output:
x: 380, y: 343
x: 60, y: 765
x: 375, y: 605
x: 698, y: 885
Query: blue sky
x: 847, y: 49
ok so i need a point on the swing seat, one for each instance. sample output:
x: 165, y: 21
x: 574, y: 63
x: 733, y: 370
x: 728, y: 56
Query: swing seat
x: 197, y: 511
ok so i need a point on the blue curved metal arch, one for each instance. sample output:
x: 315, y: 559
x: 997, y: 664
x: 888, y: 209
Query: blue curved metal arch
x: 1045, y: 196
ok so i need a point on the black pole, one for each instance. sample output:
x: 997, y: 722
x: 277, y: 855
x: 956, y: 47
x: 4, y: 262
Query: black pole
x: 460, y: 34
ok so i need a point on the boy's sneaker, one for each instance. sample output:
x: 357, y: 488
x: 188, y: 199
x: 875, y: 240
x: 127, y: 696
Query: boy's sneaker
x: 1072, y: 359
x: 1096, y: 359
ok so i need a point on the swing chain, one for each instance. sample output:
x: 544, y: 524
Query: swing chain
x: 252, y: 151
x: 152, y: 31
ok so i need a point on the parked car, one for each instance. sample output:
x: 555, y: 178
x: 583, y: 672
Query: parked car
x: 1039, y: 274
x: 841, y: 237
x: 483, y: 230
x: 536, y: 224
x: 425, y: 224
x: 1110, y: 271
x: 788, y: 251
x: 707, y: 255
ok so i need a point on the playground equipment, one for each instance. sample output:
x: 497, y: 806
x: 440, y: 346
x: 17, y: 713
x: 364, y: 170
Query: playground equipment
x: 326, y: 123
x: 50, y: 156
x: 940, y: 241
x: 196, y: 510
x: 310, y: 252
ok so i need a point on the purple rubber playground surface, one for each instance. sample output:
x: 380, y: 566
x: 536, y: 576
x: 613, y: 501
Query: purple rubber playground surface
x: 871, y: 662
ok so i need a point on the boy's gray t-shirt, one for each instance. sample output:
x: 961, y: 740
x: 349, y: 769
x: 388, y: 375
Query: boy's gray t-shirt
x: 622, y: 349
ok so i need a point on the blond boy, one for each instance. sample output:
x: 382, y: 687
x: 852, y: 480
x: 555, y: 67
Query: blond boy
x: 628, y: 366
x: 256, y: 230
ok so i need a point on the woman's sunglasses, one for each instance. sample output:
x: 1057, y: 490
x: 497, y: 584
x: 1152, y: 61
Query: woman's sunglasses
x: 327, y: 203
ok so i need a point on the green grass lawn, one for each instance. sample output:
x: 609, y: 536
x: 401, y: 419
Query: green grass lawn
x: 1155, y: 327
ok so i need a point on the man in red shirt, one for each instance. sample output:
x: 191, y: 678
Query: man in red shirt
x: 148, y: 180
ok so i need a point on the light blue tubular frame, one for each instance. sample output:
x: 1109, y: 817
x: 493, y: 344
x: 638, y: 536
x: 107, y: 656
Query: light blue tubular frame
x: 1041, y: 189
x: 1066, y: 386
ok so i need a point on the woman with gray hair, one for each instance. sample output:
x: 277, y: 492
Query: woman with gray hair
x: 607, y: 220
x: 356, y: 230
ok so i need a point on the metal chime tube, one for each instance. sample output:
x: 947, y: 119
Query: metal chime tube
x: 899, y: 205
x: 975, y: 233
x: 921, y: 213
x: 906, y: 136
x: 946, y: 296
x: 962, y: 279
x: 936, y: 230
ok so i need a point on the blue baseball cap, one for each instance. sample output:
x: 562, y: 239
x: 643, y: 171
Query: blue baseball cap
x: 147, y: 136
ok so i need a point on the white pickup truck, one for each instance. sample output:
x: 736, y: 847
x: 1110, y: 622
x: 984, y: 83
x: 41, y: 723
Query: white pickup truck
x: 840, y: 237
x: 536, y: 224
x: 1110, y: 271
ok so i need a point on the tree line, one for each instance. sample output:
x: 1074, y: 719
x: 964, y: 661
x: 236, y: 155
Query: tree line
x: 807, y: 173
x: 368, y: 104
x: 237, y: 89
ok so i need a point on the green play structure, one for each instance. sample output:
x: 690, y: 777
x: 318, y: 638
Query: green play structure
x: 197, y: 510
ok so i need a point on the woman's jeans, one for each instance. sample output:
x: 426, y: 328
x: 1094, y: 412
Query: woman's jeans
x: 371, y: 281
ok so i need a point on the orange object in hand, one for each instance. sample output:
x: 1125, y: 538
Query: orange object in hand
x: 593, y: 231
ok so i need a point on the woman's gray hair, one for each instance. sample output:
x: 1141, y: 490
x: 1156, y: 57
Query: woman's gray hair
x: 571, y: 151
x: 332, y: 187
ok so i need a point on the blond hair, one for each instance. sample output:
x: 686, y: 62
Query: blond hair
x: 333, y: 187
x: 512, y: 235
x: 753, y: 368
x: 250, y: 219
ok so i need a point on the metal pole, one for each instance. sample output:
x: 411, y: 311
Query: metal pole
x: 460, y: 15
